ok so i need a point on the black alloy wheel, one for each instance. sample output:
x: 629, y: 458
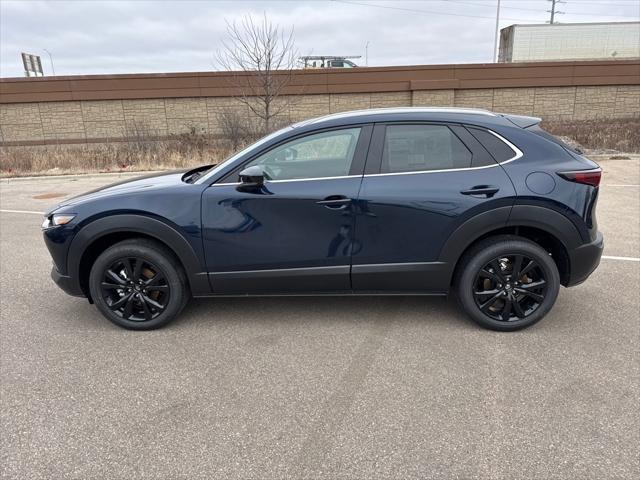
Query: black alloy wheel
x: 510, y: 287
x: 507, y: 282
x: 138, y: 284
x: 135, y: 289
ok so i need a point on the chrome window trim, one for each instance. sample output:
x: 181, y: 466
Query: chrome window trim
x: 419, y: 172
x: 518, y: 155
x: 311, y: 179
x: 510, y: 145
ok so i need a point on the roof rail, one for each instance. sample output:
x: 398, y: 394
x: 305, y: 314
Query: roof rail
x: 381, y: 111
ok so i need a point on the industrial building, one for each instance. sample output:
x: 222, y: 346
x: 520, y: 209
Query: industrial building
x: 570, y: 41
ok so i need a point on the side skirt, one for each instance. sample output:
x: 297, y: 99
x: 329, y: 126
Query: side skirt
x: 325, y: 294
x: 416, y: 278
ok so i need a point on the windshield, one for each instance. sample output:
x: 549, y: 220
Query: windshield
x: 215, y: 169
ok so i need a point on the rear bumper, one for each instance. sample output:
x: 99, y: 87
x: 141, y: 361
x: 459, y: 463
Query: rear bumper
x: 67, y: 284
x: 584, y: 260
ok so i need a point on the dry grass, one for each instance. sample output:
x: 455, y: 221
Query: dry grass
x: 181, y: 152
x: 619, y: 135
x: 191, y: 150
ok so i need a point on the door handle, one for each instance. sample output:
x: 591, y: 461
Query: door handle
x: 487, y: 191
x: 335, y: 202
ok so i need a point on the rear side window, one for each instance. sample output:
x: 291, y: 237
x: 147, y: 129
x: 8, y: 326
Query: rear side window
x: 413, y: 148
x: 496, y: 147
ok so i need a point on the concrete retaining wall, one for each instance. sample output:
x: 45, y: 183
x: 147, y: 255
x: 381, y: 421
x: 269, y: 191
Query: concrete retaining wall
x: 610, y: 93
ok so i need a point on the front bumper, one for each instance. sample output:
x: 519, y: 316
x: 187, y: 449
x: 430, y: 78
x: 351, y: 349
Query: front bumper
x: 67, y: 284
x: 584, y: 260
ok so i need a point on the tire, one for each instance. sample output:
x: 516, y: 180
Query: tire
x: 138, y: 284
x: 487, y: 273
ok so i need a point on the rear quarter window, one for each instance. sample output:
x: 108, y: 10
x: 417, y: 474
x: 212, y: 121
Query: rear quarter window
x: 499, y: 150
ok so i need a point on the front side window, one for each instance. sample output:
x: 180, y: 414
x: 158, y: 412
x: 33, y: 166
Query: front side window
x: 414, y: 148
x: 326, y: 154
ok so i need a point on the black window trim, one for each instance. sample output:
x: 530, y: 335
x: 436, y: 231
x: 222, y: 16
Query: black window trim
x: 357, y: 164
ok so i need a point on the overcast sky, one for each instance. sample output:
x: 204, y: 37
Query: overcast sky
x: 88, y: 37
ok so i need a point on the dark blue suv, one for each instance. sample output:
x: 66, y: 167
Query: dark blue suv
x: 376, y: 202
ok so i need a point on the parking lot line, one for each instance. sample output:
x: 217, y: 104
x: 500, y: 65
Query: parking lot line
x: 620, y: 185
x: 22, y: 211
x: 626, y: 259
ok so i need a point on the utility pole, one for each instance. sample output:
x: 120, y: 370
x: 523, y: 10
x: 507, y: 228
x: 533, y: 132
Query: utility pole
x: 366, y: 54
x: 553, y: 10
x: 495, y: 38
x: 53, y: 70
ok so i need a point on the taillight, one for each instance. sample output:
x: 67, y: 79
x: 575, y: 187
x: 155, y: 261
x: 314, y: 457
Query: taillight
x: 586, y: 177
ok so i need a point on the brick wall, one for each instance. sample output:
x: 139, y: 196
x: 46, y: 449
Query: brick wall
x: 94, y: 120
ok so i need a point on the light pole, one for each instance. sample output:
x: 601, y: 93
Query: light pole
x: 366, y: 54
x: 495, y: 38
x: 53, y: 70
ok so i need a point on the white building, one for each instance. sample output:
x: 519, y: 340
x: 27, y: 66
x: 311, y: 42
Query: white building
x: 570, y: 41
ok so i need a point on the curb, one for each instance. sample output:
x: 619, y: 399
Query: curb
x: 81, y: 175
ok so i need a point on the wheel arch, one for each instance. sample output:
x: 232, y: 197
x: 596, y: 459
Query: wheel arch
x: 544, y: 226
x: 100, y: 234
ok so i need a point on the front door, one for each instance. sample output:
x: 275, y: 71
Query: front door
x: 295, y: 234
x: 421, y: 182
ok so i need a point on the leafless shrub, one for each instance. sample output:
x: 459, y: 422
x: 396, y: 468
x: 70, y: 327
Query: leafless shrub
x: 236, y: 129
x: 194, y: 142
x: 140, y: 136
x: 606, y: 134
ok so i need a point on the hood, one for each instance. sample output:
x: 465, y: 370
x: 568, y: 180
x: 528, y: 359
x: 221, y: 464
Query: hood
x: 145, y: 182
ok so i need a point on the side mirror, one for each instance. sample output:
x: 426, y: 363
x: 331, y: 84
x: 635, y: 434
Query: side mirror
x: 251, y: 178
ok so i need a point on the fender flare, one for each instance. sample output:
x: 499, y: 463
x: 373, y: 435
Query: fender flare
x: 548, y: 220
x: 542, y: 218
x: 469, y: 231
x: 148, y: 226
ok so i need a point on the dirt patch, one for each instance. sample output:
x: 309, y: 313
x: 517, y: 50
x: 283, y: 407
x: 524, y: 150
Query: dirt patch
x: 46, y: 196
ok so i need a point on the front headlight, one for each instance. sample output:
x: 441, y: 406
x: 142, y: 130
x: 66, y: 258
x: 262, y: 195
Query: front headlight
x: 57, y: 219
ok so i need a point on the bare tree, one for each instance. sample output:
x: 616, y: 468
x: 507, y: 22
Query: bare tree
x: 261, y: 57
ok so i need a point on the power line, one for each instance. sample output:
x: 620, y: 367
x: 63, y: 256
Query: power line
x: 599, y: 2
x: 631, y: 3
x: 475, y: 4
x: 456, y: 2
x: 429, y: 12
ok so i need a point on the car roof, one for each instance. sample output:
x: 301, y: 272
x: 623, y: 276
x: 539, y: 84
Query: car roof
x: 450, y: 114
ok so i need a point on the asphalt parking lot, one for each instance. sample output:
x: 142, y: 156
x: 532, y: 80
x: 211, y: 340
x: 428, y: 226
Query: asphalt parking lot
x: 318, y: 387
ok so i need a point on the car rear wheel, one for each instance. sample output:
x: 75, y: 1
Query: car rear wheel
x: 507, y: 283
x: 138, y: 284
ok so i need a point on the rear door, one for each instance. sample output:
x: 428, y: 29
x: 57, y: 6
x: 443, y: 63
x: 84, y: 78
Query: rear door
x: 422, y: 180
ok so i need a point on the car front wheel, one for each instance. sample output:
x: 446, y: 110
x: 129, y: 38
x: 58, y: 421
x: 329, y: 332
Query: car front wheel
x: 507, y: 283
x: 138, y: 284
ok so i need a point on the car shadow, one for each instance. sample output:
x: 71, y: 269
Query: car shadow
x: 325, y: 309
